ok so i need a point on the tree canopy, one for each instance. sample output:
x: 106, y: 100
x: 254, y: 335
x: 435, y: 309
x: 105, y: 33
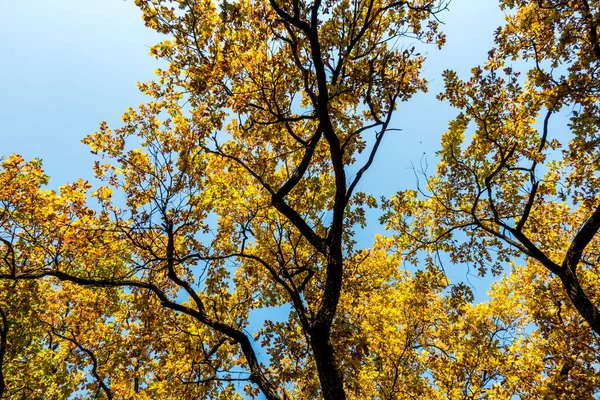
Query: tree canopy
x: 235, y: 188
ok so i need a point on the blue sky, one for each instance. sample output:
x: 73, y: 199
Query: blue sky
x: 69, y: 64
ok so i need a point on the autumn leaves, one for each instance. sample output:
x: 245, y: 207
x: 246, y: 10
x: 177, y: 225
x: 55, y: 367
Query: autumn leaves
x: 228, y: 192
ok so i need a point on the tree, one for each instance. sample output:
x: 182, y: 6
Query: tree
x: 234, y: 189
x: 524, y: 185
x: 240, y: 161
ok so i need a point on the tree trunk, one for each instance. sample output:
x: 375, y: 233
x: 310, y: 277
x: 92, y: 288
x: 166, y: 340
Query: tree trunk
x: 580, y: 300
x: 331, y: 381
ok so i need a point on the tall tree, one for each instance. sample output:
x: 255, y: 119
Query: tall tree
x: 514, y: 178
x: 234, y: 189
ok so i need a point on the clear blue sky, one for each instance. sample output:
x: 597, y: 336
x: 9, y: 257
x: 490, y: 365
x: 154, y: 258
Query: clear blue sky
x: 69, y: 64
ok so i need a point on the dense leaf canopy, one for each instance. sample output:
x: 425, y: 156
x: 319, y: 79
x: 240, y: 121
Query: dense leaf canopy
x: 233, y: 189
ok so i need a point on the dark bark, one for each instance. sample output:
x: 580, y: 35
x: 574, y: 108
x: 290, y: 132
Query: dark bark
x: 568, y: 272
x: 580, y: 300
x: 94, y: 371
x: 331, y: 381
x: 592, y: 29
x: 332, y: 384
x: 236, y: 335
x: 329, y: 375
x: 256, y: 373
x: 3, y: 341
